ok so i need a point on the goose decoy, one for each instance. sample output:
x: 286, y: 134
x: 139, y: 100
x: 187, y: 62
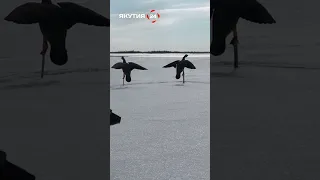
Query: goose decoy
x: 54, y: 21
x: 114, y: 119
x: 225, y: 15
x: 127, y: 68
x: 180, y: 65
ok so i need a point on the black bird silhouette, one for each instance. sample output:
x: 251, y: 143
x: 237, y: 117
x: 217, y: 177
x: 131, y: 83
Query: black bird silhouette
x: 114, y: 118
x: 225, y: 15
x: 180, y: 65
x: 54, y: 21
x: 127, y: 68
x: 9, y: 170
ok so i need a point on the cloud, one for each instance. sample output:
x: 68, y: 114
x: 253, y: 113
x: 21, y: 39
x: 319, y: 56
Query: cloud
x: 179, y: 24
x: 184, y: 10
x: 150, y: 1
x: 183, y: 5
x: 169, y: 16
x: 156, y: 1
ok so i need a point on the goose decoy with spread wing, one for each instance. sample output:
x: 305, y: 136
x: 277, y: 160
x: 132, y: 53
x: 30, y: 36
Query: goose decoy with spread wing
x: 225, y: 15
x: 127, y: 68
x: 180, y: 65
x: 54, y: 21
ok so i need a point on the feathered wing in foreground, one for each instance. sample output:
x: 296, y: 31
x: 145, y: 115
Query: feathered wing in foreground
x: 54, y: 21
x: 80, y: 14
x: 66, y: 14
x: 225, y: 15
x: 254, y: 11
x: 32, y: 12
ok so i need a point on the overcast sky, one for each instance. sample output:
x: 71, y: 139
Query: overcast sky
x: 183, y: 25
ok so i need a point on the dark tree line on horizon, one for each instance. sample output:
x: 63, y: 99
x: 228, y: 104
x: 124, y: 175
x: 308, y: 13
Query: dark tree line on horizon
x: 133, y: 51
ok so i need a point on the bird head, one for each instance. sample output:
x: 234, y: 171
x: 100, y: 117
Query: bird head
x: 124, y: 60
x: 185, y: 56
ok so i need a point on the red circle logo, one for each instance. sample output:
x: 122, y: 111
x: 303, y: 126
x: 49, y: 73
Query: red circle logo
x: 153, y: 16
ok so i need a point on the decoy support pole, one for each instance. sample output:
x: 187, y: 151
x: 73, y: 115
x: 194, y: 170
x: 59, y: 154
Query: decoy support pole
x: 42, y: 67
x: 123, y: 79
x: 235, y: 46
x: 183, y: 76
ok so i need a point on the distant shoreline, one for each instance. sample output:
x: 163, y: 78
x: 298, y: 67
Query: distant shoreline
x: 157, y: 52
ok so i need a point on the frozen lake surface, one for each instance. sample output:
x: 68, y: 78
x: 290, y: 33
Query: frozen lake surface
x: 164, y: 132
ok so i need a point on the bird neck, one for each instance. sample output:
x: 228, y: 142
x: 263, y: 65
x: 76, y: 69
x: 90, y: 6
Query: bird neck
x: 184, y: 57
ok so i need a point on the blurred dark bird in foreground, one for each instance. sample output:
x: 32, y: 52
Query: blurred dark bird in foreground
x: 9, y: 171
x: 180, y: 65
x: 127, y: 68
x: 54, y: 21
x: 114, y: 119
x: 225, y: 15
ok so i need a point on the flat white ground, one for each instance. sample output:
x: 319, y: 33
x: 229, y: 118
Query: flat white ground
x: 164, y: 133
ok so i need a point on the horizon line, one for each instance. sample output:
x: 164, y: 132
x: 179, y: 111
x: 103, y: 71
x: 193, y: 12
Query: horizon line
x: 159, y: 51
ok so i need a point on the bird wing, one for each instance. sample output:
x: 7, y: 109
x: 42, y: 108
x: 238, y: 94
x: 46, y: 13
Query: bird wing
x: 3, y: 157
x: 172, y: 64
x: 188, y: 64
x: 79, y: 14
x: 136, y: 66
x: 213, y: 5
x: 32, y: 12
x: 254, y: 11
x: 114, y: 118
x: 118, y: 65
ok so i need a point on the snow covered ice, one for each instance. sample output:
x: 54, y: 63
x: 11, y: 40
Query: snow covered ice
x: 164, y: 131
